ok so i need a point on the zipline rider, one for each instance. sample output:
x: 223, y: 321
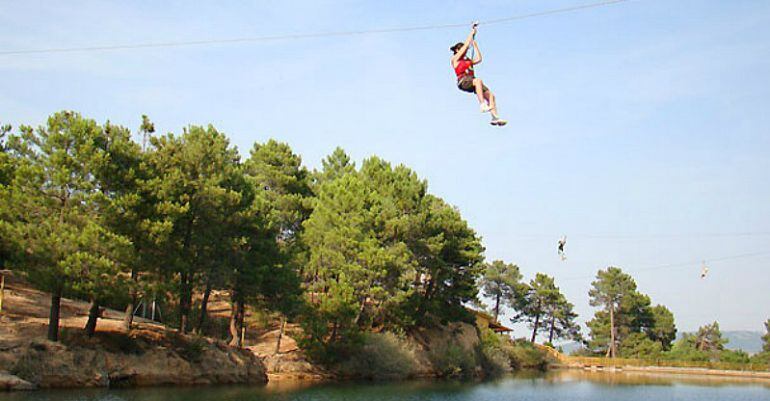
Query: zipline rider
x: 466, y: 79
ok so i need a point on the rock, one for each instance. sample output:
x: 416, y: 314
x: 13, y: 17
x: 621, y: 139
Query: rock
x: 128, y: 362
x: 9, y: 382
x: 294, y: 365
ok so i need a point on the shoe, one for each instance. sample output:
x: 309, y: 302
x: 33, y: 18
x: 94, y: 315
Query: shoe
x: 485, y: 108
x: 498, y: 121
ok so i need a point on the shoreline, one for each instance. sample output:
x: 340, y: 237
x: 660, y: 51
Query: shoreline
x: 740, y: 374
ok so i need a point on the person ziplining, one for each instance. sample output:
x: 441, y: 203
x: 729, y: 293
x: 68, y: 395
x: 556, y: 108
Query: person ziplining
x: 562, y: 242
x: 466, y: 78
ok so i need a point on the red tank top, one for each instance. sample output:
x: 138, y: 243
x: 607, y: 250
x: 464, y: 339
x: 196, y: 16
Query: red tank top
x: 464, y: 67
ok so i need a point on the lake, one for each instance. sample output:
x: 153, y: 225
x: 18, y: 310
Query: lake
x: 556, y: 385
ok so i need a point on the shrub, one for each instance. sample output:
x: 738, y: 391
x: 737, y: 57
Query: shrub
x: 762, y: 358
x: 639, y: 346
x: 526, y: 355
x: 731, y: 356
x: 380, y: 356
x: 495, y: 353
x: 192, y: 350
x: 451, y: 360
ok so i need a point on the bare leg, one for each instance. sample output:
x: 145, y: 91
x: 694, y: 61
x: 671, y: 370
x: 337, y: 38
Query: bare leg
x: 490, y: 97
x: 479, y: 85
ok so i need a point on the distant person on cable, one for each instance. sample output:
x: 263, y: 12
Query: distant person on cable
x: 467, y: 81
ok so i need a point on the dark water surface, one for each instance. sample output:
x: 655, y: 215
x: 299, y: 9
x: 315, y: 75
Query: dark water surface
x: 552, y: 386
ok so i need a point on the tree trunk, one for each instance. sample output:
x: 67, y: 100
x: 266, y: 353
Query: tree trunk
x: 280, y: 335
x: 611, y: 350
x: 534, y: 330
x: 53, y: 316
x: 185, y: 301
x: 236, y: 322
x: 497, y: 306
x: 128, y: 319
x: 333, y: 337
x: 204, y: 307
x: 553, y: 325
x: 93, y: 316
x: 2, y: 288
x: 360, y: 311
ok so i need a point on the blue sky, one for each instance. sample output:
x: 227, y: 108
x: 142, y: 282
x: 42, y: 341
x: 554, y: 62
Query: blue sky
x: 639, y: 130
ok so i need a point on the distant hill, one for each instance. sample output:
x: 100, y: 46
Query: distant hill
x: 568, y: 348
x: 749, y: 341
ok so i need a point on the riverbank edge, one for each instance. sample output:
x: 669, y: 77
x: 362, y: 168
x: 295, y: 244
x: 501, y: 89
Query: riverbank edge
x: 670, y: 370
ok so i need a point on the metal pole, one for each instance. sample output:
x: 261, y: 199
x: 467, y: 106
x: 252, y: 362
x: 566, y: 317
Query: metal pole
x: 2, y: 291
x: 139, y: 305
x: 152, y: 314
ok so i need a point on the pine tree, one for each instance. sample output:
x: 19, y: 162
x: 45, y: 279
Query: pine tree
x: 334, y: 166
x: 561, y: 317
x: 502, y: 283
x: 541, y: 299
x: 196, y: 187
x: 55, y: 203
x: 611, y: 290
x: 663, y: 329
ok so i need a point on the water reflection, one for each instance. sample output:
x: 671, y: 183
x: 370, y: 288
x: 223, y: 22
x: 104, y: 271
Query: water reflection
x: 532, y: 386
x: 649, y: 378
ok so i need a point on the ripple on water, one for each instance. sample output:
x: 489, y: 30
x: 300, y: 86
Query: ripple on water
x: 558, y: 385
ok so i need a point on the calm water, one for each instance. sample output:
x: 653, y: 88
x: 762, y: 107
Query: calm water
x: 558, y: 385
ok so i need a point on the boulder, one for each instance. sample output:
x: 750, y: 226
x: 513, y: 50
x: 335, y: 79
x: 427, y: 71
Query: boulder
x: 9, y: 382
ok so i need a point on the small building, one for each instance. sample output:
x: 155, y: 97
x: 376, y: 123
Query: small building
x: 485, y: 320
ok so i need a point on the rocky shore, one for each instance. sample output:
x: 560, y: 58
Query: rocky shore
x: 146, y: 358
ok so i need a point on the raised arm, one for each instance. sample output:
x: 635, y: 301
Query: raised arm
x: 476, y: 53
x: 461, y: 53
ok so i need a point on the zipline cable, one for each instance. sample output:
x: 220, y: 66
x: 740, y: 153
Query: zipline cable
x: 681, y: 265
x: 611, y: 236
x: 305, y: 35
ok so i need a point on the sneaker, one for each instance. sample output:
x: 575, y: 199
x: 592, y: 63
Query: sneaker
x: 485, y: 108
x: 498, y: 121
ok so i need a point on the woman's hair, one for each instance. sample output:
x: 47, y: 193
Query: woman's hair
x: 456, y: 47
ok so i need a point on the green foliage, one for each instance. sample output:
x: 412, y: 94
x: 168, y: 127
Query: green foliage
x: 452, y: 360
x: 684, y: 350
x: 380, y: 356
x: 706, y: 344
x: 631, y: 314
x: 663, y: 329
x: 762, y: 358
x: 201, y: 195
x: 335, y: 165
x: 525, y: 355
x: 546, y: 309
x: 708, y: 338
x: 766, y: 337
x: 380, y: 251
x: 6, y: 159
x: 734, y: 356
x: 87, y: 212
x: 6, y: 175
x: 541, y: 296
x: 54, y: 209
x: 496, y: 353
x: 502, y: 283
x: 640, y: 346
